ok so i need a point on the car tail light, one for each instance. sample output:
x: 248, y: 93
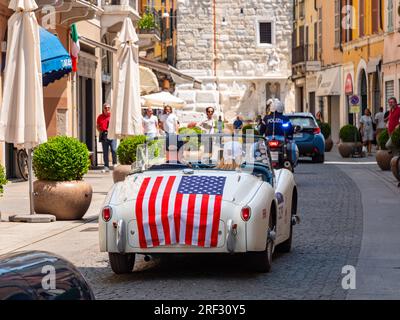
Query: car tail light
x: 273, y: 143
x: 246, y: 214
x: 106, y: 214
x: 317, y: 130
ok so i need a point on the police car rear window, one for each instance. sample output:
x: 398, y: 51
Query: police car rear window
x: 304, y: 122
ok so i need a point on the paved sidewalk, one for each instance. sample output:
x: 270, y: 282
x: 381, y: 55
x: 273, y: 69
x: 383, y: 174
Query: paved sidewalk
x: 378, y: 267
x: 15, y: 200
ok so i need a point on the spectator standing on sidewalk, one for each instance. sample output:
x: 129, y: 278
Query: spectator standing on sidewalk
x: 150, y: 124
x: 367, y: 130
x: 103, y: 121
x: 238, y: 124
x: 394, y: 115
x: 379, y: 122
x: 169, y: 121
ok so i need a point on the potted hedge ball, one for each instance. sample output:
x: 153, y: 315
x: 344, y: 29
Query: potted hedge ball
x: 384, y: 156
x: 59, y: 165
x: 395, y: 163
x: 326, y: 132
x: 126, y: 153
x: 350, y: 141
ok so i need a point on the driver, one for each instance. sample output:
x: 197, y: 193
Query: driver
x: 276, y: 124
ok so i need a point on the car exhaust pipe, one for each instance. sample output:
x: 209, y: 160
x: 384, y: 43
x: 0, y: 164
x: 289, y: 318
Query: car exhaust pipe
x: 287, y: 165
x: 147, y: 258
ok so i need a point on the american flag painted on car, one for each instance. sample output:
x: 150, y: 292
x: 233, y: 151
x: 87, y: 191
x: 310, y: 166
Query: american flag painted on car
x: 173, y: 210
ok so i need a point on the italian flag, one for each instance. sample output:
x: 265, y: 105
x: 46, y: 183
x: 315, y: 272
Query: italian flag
x: 75, y: 47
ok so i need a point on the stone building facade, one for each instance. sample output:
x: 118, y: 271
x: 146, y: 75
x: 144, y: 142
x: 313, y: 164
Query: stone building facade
x: 240, y: 49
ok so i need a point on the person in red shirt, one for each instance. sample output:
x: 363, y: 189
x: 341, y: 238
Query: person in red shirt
x: 103, y: 121
x: 394, y: 115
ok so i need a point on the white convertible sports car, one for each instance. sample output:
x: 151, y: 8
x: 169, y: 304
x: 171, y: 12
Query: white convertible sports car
x: 214, y: 194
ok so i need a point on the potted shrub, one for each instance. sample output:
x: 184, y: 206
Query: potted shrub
x: 3, y: 180
x: 59, y: 165
x: 326, y: 132
x: 395, y: 163
x: 250, y: 127
x: 350, y: 141
x: 126, y: 153
x: 383, y: 156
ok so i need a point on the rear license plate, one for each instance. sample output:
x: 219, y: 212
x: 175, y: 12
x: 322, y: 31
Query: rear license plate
x: 298, y: 135
x: 275, y: 156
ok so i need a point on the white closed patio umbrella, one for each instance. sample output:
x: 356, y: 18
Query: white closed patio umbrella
x: 126, y: 116
x: 22, y: 119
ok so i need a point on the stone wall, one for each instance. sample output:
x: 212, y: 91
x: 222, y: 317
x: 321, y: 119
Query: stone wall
x: 238, y: 52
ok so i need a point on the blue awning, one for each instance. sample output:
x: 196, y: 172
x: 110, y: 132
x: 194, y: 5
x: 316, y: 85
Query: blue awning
x: 56, y: 62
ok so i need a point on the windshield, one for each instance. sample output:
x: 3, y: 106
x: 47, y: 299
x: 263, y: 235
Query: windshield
x: 304, y: 122
x: 204, y: 152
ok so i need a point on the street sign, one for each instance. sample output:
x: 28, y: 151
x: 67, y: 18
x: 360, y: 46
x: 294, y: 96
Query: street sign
x: 355, y: 104
x: 355, y: 101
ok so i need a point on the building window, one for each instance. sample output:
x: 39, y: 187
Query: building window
x: 389, y: 90
x: 320, y: 30
x: 376, y: 15
x: 265, y: 33
x: 337, y: 22
x: 361, y: 24
x: 390, y: 15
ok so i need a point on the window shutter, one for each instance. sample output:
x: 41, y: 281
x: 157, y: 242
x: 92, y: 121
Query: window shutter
x: 375, y: 16
x: 266, y: 32
x: 362, y: 18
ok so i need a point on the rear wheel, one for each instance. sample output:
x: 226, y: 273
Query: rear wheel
x: 286, y: 247
x: 262, y: 261
x: 122, y: 263
x: 320, y: 158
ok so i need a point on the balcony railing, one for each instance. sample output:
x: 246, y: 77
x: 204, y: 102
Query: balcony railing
x: 298, y: 55
x: 304, y: 53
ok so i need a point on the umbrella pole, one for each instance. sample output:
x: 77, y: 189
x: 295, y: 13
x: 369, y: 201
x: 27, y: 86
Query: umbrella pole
x: 31, y: 208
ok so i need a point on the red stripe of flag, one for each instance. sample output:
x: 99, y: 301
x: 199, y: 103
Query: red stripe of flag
x: 177, y: 215
x: 139, y: 212
x: 216, y: 218
x: 190, y: 219
x: 164, y: 210
x: 203, y: 220
x: 152, y: 212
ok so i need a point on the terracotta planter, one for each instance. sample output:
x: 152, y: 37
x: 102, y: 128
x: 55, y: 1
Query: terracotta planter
x: 120, y: 172
x: 395, y: 166
x: 346, y: 149
x: 383, y: 158
x: 328, y: 144
x: 66, y: 200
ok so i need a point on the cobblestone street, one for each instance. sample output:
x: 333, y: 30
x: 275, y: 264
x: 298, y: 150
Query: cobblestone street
x: 325, y: 241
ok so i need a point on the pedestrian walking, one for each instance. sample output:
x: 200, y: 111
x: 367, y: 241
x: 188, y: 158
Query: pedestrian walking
x: 150, y: 124
x: 103, y: 122
x: 394, y: 115
x: 367, y: 130
x: 319, y: 118
x: 169, y: 121
x: 220, y: 125
x: 379, y: 123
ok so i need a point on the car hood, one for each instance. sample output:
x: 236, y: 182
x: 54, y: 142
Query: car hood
x: 238, y: 187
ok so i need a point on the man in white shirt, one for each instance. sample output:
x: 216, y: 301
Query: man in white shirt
x: 150, y: 124
x: 380, y: 122
x: 169, y: 121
